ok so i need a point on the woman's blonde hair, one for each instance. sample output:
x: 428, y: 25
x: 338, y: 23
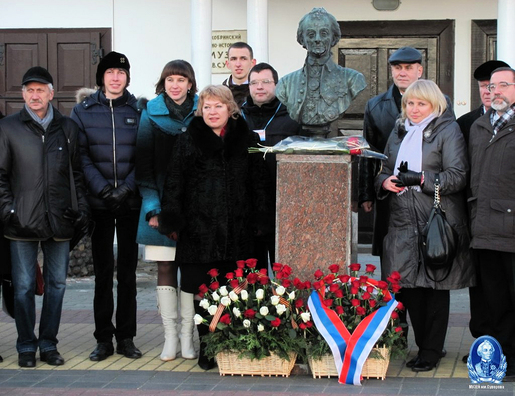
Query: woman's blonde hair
x: 425, y: 90
x: 220, y: 92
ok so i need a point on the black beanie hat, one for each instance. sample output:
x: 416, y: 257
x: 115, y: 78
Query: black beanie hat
x: 113, y: 60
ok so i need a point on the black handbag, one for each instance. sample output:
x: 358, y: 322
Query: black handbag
x: 439, y: 242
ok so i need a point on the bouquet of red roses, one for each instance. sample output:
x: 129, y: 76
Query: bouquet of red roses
x: 251, y: 314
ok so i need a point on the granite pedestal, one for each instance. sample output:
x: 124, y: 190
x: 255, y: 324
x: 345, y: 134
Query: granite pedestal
x: 313, y: 212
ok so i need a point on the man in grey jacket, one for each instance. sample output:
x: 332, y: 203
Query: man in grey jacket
x: 492, y: 207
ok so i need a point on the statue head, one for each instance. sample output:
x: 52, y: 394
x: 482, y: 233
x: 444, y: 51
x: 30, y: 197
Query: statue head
x: 318, y: 32
x: 485, y: 350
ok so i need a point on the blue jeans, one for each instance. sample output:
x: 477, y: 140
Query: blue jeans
x: 55, y: 267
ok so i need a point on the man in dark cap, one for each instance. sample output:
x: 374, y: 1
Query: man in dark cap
x: 380, y: 114
x: 108, y: 120
x: 379, y: 119
x: 482, y: 75
x: 479, y: 324
x: 491, y: 202
x: 39, y: 148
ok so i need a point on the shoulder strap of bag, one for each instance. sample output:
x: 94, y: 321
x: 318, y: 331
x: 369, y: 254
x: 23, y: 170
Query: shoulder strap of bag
x: 75, y: 204
x: 436, y: 202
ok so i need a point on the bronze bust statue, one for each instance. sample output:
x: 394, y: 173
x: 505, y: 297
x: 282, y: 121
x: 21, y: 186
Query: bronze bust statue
x: 321, y: 91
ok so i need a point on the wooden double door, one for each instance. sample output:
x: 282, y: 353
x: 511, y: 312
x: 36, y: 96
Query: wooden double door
x: 70, y: 55
x: 366, y: 46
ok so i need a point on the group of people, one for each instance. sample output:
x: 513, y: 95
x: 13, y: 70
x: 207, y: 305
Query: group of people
x: 173, y: 174
x: 413, y: 123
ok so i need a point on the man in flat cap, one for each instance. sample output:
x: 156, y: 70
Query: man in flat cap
x: 39, y: 149
x: 379, y: 119
x: 108, y: 120
x: 482, y: 75
x: 380, y: 114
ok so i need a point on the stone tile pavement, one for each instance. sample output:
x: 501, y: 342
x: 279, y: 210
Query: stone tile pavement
x: 118, y: 375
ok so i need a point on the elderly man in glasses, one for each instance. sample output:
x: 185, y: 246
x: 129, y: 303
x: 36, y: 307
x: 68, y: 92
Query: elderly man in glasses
x: 267, y: 116
x: 479, y: 322
x: 492, y: 208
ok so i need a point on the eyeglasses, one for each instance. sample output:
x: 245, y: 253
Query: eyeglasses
x: 503, y: 86
x: 264, y: 82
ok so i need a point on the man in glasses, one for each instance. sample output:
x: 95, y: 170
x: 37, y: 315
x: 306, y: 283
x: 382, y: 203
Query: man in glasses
x: 492, y: 208
x: 479, y: 322
x: 482, y: 75
x: 269, y: 118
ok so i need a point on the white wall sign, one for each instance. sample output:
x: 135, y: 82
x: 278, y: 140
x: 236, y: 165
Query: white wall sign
x: 220, y: 42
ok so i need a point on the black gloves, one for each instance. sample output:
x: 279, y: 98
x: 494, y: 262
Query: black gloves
x: 114, y: 198
x: 407, y: 177
x: 105, y: 192
x: 77, y: 218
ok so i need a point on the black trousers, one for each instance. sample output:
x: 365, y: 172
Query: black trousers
x: 497, y: 273
x: 428, y: 310
x: 264, y: 249
x: 103, y: 262
x: 479, y: 324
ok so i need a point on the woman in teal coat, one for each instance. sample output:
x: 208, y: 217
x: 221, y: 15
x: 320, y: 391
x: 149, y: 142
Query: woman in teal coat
x: 164, y: 118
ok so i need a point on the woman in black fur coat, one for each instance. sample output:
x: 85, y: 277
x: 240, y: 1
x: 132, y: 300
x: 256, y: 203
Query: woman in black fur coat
x: 216, y: 195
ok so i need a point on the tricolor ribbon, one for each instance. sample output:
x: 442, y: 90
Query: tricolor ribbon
x: 350, y: 351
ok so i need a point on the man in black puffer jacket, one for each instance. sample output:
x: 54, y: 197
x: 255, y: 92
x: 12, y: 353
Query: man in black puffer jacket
x: 269, y: 118
x: 108, y: 120
x: 39, y: 150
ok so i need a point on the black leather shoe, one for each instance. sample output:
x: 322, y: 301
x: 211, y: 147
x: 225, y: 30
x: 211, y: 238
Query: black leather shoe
x: 412, y: 362
x: 1, y: 359
x: 128, y: 349
x: 204, y: 362
x: 102, y: 351
x: 52, y: 358
x: 27, y: 359
x: 465, y: 358
x: 423, y: 365
x: 444, y: 353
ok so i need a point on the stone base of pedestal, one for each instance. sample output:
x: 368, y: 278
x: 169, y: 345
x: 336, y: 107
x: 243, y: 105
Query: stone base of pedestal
x: 313, y: 212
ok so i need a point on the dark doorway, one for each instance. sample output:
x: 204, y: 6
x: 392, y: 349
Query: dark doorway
x: 366, y: 47
x: 484, y: 47
x: 70, y: 55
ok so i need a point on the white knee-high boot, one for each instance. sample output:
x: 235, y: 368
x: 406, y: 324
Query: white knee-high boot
x: 187, y: 326
x: 167, y: 306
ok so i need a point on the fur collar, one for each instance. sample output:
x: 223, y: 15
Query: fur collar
x: 83, y: 93
x: 235, y: 142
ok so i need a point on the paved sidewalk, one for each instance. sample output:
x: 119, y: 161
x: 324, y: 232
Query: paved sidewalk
x: 118, y: 375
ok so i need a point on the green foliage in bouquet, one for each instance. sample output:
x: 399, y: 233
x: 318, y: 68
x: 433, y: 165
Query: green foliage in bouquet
x: 252, y: 314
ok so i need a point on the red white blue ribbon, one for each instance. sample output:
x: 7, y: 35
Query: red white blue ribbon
x: 350, y: 351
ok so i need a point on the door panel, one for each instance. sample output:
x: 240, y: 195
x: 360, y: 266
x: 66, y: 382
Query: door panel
x: 71, y: 60
x: 370, y: 57
x: 21, y: 51
x: 366, y: 47
x: 70, y: 55
x: 484, y: 48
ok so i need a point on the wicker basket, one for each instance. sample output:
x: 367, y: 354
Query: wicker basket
x: 229, y: 363
x: 373, y: 368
